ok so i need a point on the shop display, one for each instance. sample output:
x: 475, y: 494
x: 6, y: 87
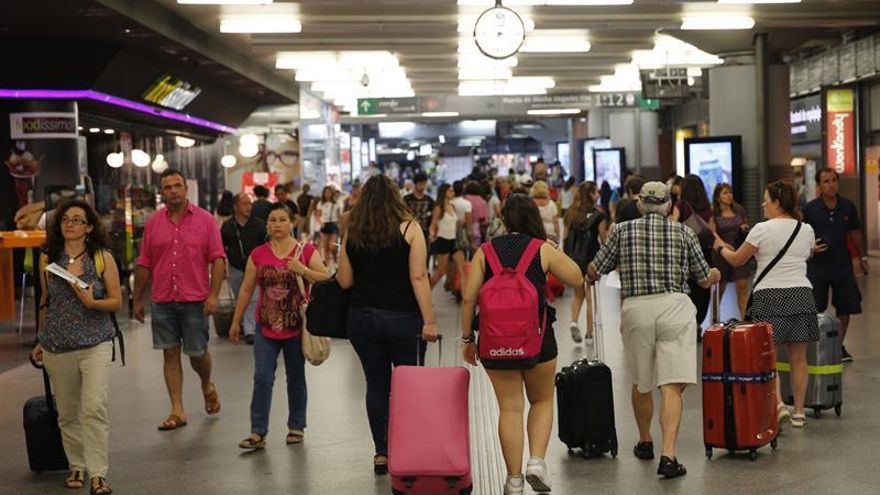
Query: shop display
x: 715, y: 160
x: 588, y: 146
x: 609, y: 165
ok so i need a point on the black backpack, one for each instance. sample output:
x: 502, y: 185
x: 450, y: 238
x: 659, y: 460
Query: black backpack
x: 580, y: 243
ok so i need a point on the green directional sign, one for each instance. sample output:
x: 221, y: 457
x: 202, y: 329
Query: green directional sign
x: 368, y: 106
x: 649, y: 104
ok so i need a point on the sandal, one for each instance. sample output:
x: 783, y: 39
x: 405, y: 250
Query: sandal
x: 294, y: 436
x: 101, y: 488
x: 76, y: 479
x: 380, y: 464
x: 212, y: 401
x: 172, y: 422
x: 798, y: 420
x: 253, y: 442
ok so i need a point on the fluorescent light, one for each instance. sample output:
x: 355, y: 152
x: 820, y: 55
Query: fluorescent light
x: 485, y: 73
x: 249, y: 139
x: 94, y: 130
x: 442, y: 139
x: 184, y: 142
x: 717, y: 22
x: 109, y: 131
x: 755, y: 2
x: 115, y: 160
x: 440, y: 114
x: 554, y: 111
x: 224, y: 2
x: 466, y: 24
x: 260, y: 24
x: 374, y: 116
x: 521, y: 3
x: 228, y: 161
x: 510, y: 87
x: 556, y: 40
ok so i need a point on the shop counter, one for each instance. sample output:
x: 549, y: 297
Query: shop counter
x: 19, y: 239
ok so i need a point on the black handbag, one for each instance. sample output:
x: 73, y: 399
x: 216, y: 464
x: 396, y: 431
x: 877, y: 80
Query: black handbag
x: 327, y: 312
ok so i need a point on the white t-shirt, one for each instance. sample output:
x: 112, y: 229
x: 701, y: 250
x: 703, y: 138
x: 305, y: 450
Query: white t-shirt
x: 770, y: 237
x: 568, y: 197
x: 329, y: 211
x: 462, y: 206
x: 548, y: 213
x: 492, y: 202
x: 446, y: 226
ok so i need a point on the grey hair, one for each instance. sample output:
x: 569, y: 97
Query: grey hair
x: 662, y: 209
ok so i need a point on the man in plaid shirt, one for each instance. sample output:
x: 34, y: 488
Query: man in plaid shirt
x: 655, y: 257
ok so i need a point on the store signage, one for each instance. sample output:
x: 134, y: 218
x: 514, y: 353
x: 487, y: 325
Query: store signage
x: 840, y: 131
x: 390, y: 106
x: 171, y: 93
x: 805, y: 116
x: 494, y: 105
x: 43, y: 125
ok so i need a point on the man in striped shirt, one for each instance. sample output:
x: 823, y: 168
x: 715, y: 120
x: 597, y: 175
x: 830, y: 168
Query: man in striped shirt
x: 655, y: 257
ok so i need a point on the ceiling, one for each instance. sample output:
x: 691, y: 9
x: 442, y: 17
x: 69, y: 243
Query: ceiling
x: 423, y: 33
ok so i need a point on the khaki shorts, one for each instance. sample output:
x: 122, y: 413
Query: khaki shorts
x: 660, y: 339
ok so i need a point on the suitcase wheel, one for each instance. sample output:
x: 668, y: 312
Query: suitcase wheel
x: 774, y: 443
x: 838, y: 409
x: 614, y: 452
x: 817, y: 413
x: 708, y: 452
x: 753, y: 454
x: 466, y: 491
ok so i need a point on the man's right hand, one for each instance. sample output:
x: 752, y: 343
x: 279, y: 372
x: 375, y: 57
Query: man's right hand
x: 139, y: 311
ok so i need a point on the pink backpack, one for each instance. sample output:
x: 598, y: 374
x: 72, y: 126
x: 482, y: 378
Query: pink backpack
x: 509, y: 326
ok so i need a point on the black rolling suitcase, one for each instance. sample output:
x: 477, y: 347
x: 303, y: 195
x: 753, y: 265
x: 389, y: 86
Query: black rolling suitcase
x: 41, y: 432
x: 586, y: 401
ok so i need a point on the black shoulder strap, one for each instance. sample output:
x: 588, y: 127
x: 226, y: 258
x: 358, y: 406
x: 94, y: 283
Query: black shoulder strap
x: 778, y: 257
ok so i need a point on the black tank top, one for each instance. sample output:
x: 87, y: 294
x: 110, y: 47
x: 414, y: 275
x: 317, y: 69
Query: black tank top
x: 381, y: 277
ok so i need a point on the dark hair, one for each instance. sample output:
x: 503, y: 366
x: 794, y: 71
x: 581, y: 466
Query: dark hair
x: 787, y: 196
x: 568, y: 183
x: 224, y: 207
x: 473, y: 187
x: 582, y: 204
x: 282, y: 188
x: 605, y: 193
x: 825, y: 171
x: 633, y: 184
x: 521, y: 215
x: 458, y: 187
x: 716, y: 198
x: 324, y: 192
x: 260, y: 191
x: 694, y: 192
x: 441, y: 197
x: 420, y: 177
x: 279, y: 206
x: 172, y: 171
x: 306, y: 188
x: 374, y: 221
x: 96, y: 240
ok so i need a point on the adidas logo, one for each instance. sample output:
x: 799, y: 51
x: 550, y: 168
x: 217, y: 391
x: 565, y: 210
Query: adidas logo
x: 507, y: 352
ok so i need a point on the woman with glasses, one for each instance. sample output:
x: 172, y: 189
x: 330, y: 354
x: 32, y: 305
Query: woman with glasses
x: 76, y: 338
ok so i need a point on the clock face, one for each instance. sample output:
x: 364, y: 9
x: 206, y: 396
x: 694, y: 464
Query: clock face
x: 499, y: 32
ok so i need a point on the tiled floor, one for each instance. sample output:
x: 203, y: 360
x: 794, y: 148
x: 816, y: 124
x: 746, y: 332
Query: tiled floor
x: 829, y: 456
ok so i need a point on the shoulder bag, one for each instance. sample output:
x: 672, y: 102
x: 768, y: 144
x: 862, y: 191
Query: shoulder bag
x: 770, y: 265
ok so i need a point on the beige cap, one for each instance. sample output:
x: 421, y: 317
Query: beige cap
x: 654, y: 193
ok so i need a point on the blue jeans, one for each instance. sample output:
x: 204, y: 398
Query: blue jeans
x: 265, y: 361
x: 382, y: 340
x: 249, y: 319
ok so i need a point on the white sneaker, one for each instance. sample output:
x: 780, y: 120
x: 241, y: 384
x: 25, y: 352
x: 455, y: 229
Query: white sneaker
x: 575, y: 333
x: 536, y: 475
x: 588, y: 339
x: 783, y: 415
x: 514, y: 485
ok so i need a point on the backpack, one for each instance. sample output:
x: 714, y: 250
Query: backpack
x: 99, y: 270
x: 581, y: 243
x: 510, y: 333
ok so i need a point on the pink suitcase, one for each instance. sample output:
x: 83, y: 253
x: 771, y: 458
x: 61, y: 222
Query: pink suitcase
x: 428, y: 440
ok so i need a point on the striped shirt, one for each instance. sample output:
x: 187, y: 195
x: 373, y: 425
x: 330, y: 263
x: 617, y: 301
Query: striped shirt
x: 654, y: 255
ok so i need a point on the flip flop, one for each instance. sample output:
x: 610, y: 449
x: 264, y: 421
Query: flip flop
x: 76, y: 479
x: 172, y: 422
x: 212, y: 401
x: 294, y: 436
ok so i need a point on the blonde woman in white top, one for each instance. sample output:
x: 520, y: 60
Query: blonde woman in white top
x: 547, y: 209
x: 444, y: 226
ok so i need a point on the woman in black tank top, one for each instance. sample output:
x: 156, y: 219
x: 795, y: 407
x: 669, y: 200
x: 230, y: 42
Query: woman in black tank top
x: 384, y: 263
x: 523, y: 221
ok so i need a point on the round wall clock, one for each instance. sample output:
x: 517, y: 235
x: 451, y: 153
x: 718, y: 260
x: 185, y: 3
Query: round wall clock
x: 499, y: 32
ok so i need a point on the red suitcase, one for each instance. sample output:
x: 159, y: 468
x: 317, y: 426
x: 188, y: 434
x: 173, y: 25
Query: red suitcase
x: 739, y: 387
x: 428, y: 439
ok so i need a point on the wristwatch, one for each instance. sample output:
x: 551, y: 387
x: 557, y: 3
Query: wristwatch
x: 470, y: 339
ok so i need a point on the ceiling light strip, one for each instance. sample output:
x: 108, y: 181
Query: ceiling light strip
x: 88, y: 94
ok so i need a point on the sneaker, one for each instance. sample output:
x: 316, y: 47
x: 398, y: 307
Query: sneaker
x: 783, y: 415
x: 514, y: 485
x: 536, y: 475
x: 644, y: 451
x: 798, y: 420
x: 670, y: 468
x: 588, y: 339
x: 845, y: 357
x: 575, y: 333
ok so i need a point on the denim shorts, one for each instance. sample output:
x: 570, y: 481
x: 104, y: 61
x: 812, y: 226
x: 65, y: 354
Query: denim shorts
x: 176, y: 323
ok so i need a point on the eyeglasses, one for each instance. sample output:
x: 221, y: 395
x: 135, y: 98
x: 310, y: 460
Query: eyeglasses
x: 286, y: 157
x: 74, y: 221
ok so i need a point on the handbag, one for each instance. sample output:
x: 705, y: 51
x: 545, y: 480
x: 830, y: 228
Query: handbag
x: 769, y: 266
x: 702, y: 229
x: 315, y: 349
x: 327, y: 312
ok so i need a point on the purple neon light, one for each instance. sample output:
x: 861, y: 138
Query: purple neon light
x: 88, y: 94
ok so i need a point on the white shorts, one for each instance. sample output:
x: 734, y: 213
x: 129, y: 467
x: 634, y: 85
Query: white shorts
x: 660, y: 339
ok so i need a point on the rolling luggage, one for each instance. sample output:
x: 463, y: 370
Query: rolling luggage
x: 739, y: 387
x: 556, y: 287
x: 428, y: 437
x: 586, y: 401
x: 825, y: 386
x: 42, y: 435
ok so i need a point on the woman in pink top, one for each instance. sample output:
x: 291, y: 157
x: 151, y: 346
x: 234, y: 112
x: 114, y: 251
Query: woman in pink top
x: 479, y: 213
x: 275, y: 266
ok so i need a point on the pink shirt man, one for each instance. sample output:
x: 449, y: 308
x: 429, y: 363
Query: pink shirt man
x: 179, y: 255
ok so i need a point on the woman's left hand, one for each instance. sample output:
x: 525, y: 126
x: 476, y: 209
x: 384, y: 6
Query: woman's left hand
x: 469, y: 353
x: 86, y: 296
x: 429, y: 332
x: 294, y: 265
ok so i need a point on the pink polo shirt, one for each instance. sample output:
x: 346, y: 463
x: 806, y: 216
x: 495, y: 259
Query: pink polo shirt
x: 179, y: 255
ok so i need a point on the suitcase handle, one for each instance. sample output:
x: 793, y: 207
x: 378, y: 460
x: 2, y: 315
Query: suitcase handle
x: 419, y: 362
x: 47, y: 385
x: 598, y: 326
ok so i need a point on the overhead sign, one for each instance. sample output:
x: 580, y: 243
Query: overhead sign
x: 494, y: 105
x: 840, y: 131
x: 170, y: 92
x: 389, y: 106
x: 43, y: 125
x: 805, y: 116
